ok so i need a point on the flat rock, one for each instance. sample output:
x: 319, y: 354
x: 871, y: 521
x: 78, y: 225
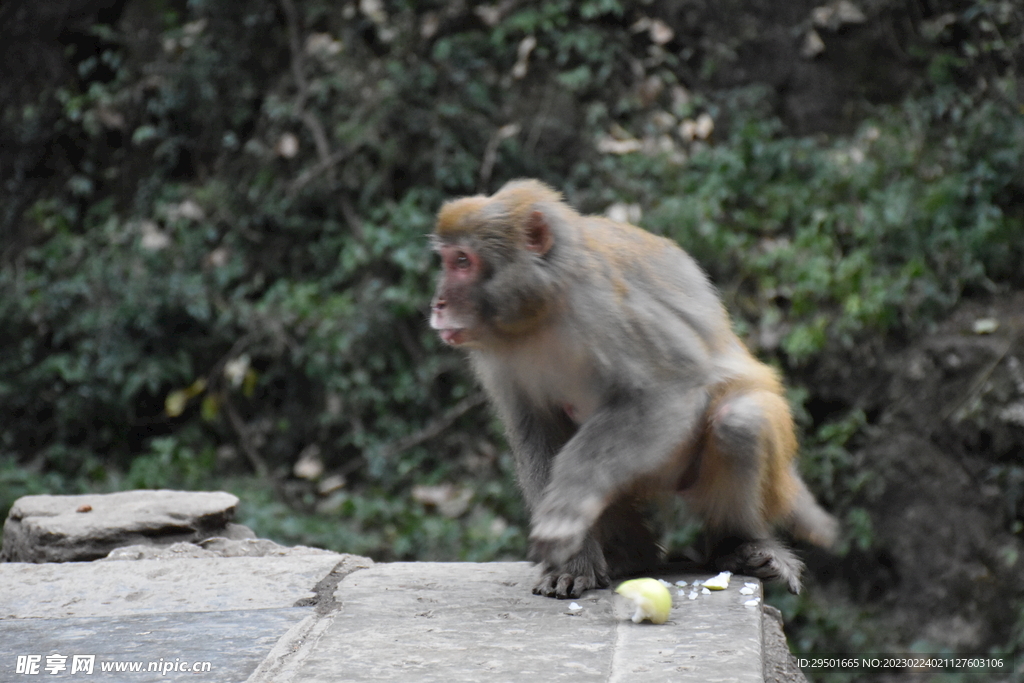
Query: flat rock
x: 298, y: 616
x: 87, y: 527
x: 97, y: 589
x: 456, y: 622
x: 155, y: 619
x: 223, y: 646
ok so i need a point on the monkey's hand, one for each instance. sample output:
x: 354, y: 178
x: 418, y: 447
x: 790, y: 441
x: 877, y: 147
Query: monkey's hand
x: 561, y: 527
x: 633, y: 436
x: 581, y: 572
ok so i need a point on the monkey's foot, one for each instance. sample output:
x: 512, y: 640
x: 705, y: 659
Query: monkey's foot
x: 765, y: 559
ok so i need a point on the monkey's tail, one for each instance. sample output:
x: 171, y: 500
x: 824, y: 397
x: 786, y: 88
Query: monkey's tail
x: 809, y: 522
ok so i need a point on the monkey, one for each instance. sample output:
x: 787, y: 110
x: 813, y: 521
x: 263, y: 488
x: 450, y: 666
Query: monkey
x: 611, y: 361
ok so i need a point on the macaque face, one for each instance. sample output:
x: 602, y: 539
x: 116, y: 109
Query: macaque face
x: 453, y: 311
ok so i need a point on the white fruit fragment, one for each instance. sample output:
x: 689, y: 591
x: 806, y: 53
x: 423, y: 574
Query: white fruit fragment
x: 718, y: 583
x: 681, y: 584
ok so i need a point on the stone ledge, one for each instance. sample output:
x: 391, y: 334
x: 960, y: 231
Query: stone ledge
x: 251, y: 610
x: 476, y: 622
x: 331, y: 617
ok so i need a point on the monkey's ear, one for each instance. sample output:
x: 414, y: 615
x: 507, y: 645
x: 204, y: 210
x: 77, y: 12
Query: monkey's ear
x: 539, y: 239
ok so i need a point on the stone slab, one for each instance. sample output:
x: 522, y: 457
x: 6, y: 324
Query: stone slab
x: 87, y: 527
x: 330, y: 617
x: 109, y: 589
x: 451, y: 622
x: 227, y: 646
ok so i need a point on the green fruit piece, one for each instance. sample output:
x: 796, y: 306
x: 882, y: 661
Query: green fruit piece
x: 650, y: 597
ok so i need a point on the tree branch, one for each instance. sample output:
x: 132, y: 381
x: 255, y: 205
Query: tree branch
x: 435, y: 427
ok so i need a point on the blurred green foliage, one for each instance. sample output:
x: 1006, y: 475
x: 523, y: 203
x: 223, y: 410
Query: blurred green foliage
x: 217, y: 275
x: 817, y: 244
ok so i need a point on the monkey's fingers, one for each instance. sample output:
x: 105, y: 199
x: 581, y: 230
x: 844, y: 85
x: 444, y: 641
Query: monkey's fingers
x: 562, y: 585
x: 583, y: 571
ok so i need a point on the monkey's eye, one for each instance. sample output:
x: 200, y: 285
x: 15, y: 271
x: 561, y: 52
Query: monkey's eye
x: 462, y: 261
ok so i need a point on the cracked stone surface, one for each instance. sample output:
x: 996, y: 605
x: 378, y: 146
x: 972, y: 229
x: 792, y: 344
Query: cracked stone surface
x: 472, y: 622
x: 302, y: 615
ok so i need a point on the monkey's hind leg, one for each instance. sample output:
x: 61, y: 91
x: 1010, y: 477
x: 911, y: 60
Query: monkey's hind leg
x: 627, y: 539
x: 745, y: 485
x: 764, y: 558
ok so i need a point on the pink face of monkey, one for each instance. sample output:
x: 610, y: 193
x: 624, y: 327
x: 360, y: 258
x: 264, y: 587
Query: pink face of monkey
x: 452, y: 311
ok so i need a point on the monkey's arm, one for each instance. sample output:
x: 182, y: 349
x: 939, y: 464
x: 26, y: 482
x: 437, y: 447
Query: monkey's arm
x: 635, y: 435
x: 536, y: 438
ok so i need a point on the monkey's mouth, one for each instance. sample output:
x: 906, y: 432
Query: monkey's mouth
x: 454, y: 336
